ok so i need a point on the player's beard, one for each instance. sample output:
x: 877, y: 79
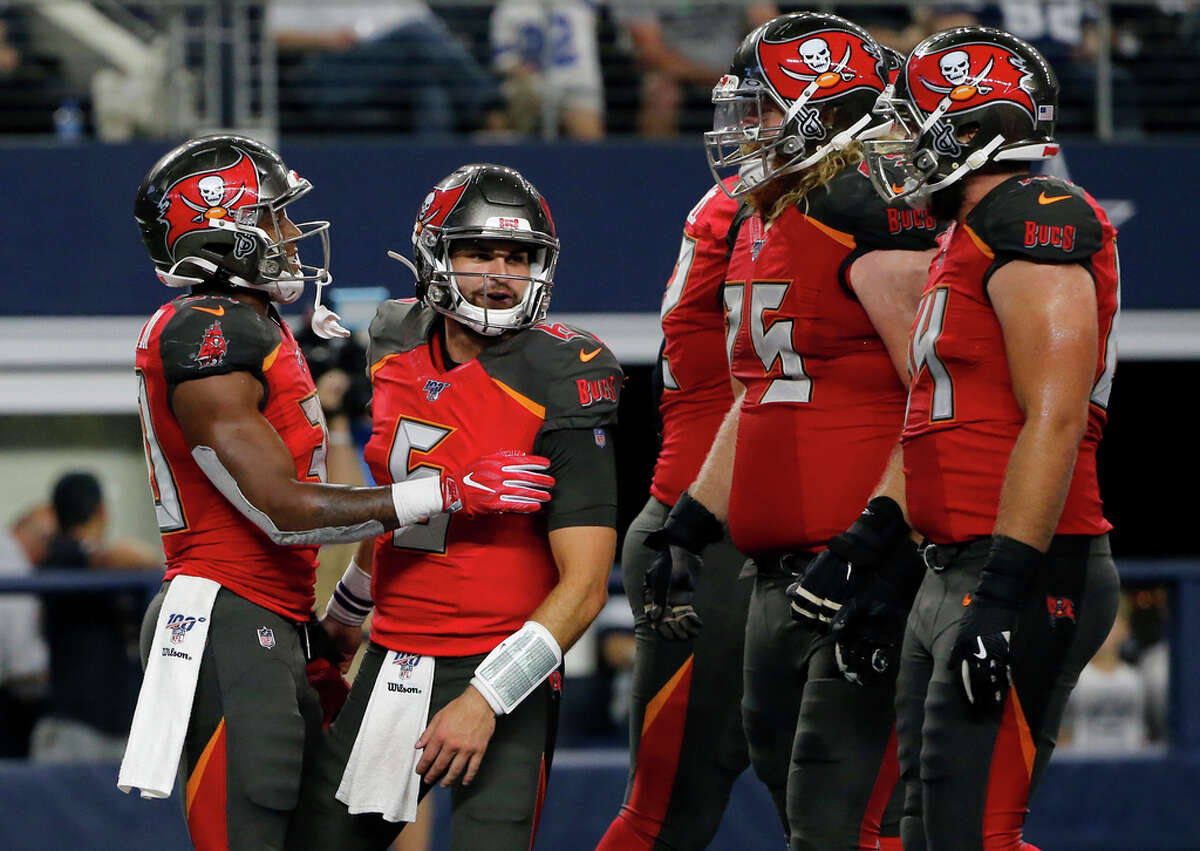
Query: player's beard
x: 945, y: 203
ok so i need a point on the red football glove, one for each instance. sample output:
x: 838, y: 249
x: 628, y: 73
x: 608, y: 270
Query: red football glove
x: 501, y: 482
x: 331, y: 688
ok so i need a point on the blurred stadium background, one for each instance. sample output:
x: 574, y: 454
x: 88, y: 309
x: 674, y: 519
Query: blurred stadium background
x: 375, y: 101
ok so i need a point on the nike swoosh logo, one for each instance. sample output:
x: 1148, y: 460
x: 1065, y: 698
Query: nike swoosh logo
x: 1043, y: 198
x: 587, y: 356
x: 215, y: 311
x: 469, y: 481
x: 982, y: 654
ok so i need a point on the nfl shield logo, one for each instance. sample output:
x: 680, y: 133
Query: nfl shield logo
x: 600, y: 437
x: 266, y: 637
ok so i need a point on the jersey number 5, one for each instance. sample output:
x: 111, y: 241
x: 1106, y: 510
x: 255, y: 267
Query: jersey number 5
x: 418, y: 436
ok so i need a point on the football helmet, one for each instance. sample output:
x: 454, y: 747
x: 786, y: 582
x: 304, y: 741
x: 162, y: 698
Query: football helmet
x: 211, y: 211
x: 966, y: 97
x: 821, y: 71
x: 483, y: 201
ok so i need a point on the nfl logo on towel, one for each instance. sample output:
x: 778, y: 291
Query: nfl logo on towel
x: 266, y: 637
x: 407, y: 662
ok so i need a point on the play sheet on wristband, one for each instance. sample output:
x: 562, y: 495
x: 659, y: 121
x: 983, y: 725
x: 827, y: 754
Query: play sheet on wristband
x: 518, y: 668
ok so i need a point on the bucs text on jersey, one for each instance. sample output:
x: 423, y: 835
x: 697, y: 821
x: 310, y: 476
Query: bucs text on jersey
x: 693, y: 363
x: 204, y: 535
x: 823, y: 404
x: 459, y: 585
x: 963, y: 419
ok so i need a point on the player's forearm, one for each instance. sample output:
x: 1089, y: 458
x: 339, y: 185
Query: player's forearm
x: 711, y: 487
x: 1038, y: 477
x: 892, y: 484
x: 584, y: 555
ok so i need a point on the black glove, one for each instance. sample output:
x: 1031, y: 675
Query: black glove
x: 670, y: 583
x: 980, y: 658
x: 869, y: 628
x: 836, y: 573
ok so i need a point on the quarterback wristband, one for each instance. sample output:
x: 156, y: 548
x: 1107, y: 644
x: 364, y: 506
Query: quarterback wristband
x: 417, y: 499
x: 517, y: 666
x: 350, y: 602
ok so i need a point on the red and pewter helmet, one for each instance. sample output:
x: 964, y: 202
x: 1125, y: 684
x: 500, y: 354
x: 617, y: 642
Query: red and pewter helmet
x: 483, y: 201
x: 821, y: 71
x: 204, y: 211
x: 967, y: 97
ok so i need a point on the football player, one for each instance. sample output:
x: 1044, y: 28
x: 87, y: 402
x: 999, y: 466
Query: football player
x: 1012, y: 357
x: 820, y: 292
x: 235, y: 447
x: 686, y: 754
x: 460, y: 683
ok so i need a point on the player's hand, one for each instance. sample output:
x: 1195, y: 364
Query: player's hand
x: 506, y: 481
x: 839, y: 571
x: 868, y: 631
x: 456, y: 739
x: 668, y: 593
x: 670, y: 584
x: 981, y: 655
x: 822, y: 589
x: 345, y: 638
x: 983, y: 647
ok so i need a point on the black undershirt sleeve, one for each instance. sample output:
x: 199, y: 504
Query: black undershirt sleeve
x: 584, y: 467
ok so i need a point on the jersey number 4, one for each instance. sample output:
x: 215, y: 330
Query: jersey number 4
x: 414, y: 436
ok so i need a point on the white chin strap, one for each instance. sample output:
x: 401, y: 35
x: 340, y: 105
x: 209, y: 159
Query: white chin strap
x: 282, y: 292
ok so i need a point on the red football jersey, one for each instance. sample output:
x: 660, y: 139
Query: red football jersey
x: 203, y: 533
x: 695, y: 366
x: 963, y: 418
x: 823, y: 405
x: 459, y: 585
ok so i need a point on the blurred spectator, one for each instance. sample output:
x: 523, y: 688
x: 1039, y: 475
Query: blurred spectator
x: 378, y: 65
x: 1063, y: 31
x: 598, y: 677
x: 893, y: 25
x: 94, y: 667
x: 1106, y: 713
x: 683, y: 48
x: 24, y: 658
x: 31, y: 85
x: 548, y: 58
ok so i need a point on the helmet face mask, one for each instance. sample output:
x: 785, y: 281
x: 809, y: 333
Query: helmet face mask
x: 213, y: 211
x: 821, y: 72
x: 489, y: 203
x: 966, y: 97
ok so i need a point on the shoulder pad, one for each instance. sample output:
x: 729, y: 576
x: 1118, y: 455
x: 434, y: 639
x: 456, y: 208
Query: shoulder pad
x: 744, y: 212
x: 400, y: 325
x: 214, y: 335
x: 562, y: 368
x: 1043, y: 219
x: 850, y: 204
x: 711, y: 215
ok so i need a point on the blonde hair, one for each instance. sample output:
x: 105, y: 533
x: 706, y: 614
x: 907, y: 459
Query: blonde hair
x: 796, y: 187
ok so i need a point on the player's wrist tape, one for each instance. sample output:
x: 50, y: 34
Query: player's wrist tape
x: 350, y: 602
x: 1008, y: 572
x: 417, y: 499
x: 878, y: 529
x: 691, y: 525
x: 517, y: 666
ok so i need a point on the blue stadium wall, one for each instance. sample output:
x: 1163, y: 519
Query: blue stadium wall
x: 71, y: 246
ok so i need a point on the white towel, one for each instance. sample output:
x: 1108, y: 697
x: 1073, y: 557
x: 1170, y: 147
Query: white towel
x: 164, y: 704
x: 381, y: 774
